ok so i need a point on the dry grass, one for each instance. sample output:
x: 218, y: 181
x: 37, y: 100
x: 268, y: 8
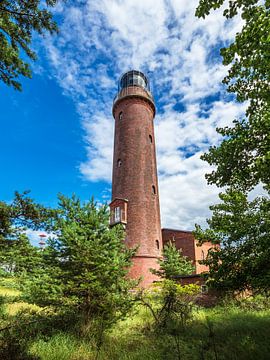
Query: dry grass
x: 4, y: 291
x: 14, y: 308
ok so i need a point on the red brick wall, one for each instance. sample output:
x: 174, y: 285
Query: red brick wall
x: 200, y: 252
x: 185, y: 240
x: 133, y: 180
x: 140, y: 268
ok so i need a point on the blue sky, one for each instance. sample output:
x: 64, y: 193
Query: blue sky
x: 57, y: 135
x: 41, y: 143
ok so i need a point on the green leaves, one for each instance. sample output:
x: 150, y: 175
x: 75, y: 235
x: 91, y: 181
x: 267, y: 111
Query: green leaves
x: 173, y: 263
x: 242, y: 228
x: 82, y: 269
x: 85, y: 268
x: 18, y: 20
x: 249, y: 56
x: 243, y: 157
x: 242, y: 160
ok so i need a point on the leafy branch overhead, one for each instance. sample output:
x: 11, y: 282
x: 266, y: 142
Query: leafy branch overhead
x: 242, y: 159
x: 18, y: 20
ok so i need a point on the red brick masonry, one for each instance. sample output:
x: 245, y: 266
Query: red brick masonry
x: 185, y: 240
x: 135, y: 178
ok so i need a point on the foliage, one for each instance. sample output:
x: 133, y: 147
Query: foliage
x: 243, y: 228
x: 85, y: 265
x: 21, y: 214
x: 170, y: 303
x: 242, y: 159
x: 173, y: 263
x: 80, y: 276
x: 17, y: 255
x: 18, y: 20
x: 248, y: 55
x: 235, y: 332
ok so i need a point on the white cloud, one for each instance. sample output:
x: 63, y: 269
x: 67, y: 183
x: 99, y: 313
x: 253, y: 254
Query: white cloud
x: 100, y: 40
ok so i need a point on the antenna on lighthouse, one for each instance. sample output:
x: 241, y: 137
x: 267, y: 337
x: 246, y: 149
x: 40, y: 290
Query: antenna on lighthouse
x: 42, y: 242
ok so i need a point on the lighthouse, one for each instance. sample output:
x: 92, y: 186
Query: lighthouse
x: 135, y: 195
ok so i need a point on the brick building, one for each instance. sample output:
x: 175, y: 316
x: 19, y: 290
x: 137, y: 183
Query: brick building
x: 135, y: 196
x: 185, y: 241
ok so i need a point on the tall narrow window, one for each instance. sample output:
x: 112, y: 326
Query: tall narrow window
x: 117, y: 214
x: 153, y: 190
x: 121, y: 115
x: 150, y: 139
x: 119, y: 162
x: 203, y: 256
x: 157, y: 244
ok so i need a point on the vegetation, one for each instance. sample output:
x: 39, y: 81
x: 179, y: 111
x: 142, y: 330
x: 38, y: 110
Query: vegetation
x: 81, y: 274
x: 232, y: 330
x: 84, y: 267
x: 242, y: 159
x: 243, y: 228
x: 18, y: 20
x: 173, y: 263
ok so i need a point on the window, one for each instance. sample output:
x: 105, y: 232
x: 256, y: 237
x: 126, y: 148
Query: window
x: 119, y: 162
x: 150, y: 138
x: 117, y: 214
x: 153, y: 190
x: 157, y: 244
x: 121, y: 115
x: 203, y: 256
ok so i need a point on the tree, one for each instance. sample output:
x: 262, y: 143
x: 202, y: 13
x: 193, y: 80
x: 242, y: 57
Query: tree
x: 173, y: 263
x: 85, y: 265
x: 243, y: 157
x: 18, y: 20
x: 17, y: 255
x: 243, y: 229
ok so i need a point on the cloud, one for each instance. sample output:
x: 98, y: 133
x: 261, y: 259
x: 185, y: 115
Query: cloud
x: 180, y: 54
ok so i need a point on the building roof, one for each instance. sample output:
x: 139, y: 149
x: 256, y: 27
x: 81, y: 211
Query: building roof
x: 177, y: 230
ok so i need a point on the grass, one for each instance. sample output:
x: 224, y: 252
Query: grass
x: 224, y: 332
x: 237, y: 335
x: 8, y: 290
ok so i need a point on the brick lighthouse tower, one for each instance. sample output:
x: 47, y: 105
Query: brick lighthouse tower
x: 135, y: 199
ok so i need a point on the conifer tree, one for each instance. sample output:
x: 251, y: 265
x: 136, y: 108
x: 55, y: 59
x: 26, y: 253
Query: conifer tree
x: 85, y: 264
x: 173, y: 263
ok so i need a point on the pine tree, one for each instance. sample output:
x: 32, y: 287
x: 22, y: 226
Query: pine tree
x: 173, y: 263
x: 85, y: 265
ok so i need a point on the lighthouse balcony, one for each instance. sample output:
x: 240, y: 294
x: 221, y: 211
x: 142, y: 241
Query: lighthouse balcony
x: 133, y: 90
